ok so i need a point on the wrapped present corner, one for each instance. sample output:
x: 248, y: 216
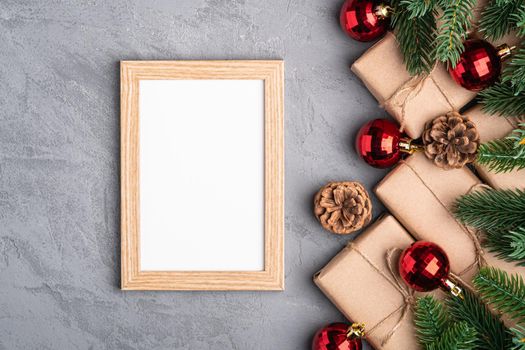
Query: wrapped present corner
x: 492, y: 127
x: 360, y: 284
x: 421, y: 196
x: 412, y: 101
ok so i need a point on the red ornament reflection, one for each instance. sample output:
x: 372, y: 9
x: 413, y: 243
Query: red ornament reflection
x: 424, y: 266
x: 479, y: 66
x: 335, y: 337
x: 378, y: 143
x: 360, y: 21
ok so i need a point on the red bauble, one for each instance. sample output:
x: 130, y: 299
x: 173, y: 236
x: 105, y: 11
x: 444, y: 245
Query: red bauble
x: 362, y: 19
x: 424, y: 266
x: 479, y: 66
x: 335, y: 337
x: 378, y: 143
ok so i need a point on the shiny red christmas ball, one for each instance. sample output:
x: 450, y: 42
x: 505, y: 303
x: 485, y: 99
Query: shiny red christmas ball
x: 378, y: 143
x: 424, y: 266
x: 479, y: 66
x: 335, y: 337
x: 362, y: 19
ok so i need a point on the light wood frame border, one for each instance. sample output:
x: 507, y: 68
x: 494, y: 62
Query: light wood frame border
x: 272, y: 277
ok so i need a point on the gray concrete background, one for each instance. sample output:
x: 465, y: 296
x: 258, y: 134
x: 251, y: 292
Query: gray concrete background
x: 59, y: 168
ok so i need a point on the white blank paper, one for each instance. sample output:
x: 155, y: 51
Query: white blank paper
x: 201, y: 175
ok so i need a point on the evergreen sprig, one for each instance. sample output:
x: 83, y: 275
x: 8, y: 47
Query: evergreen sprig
x: 455, y: 22
x: 416, y: 36
x: 430, y: 320
x: 520, y: 20
x: 514, y: 71
x: 418, y: 8
x: 503, y: 99
x: 492, y: 209
x: 506, y: 293
x: 458, y: 336
x: 493, y: 334
x: 499, y: 18
x: 436, y: 332
x: 504, y: 155
x: 508, y: 245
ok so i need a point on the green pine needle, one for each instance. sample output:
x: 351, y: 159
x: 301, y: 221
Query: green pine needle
x: 492, y: 209
x: 430, y: 320
x: 416, y: 37
x: 506, y: 293
x: 518, y: 337
x: 508, y: 245
x: 517, y: 243
x: 498, y: 18
x: 418, y: 8
x: 503, y: 99
x: 493, y: 333
x: 455, y: 22
x: 514, y: 71
x: 504, y: 155
x: 519, y: 17
x: 458, y: 336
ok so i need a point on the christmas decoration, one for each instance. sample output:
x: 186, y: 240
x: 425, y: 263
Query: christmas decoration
x: 339, y: 336
x: 499, y: 213
x: 506, y: 154
x: 499, y: 159
x: 479, y: 65
x: 364, y: 20
x: 435, y: 330
x: 343, y: 207
x: 411, y: 101
x: 362, y: 282
x: 424, y: 266
x: 380, y: 143
x: 451, y: 140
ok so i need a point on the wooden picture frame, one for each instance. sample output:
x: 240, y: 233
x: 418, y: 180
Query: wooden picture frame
x: 272, y: 276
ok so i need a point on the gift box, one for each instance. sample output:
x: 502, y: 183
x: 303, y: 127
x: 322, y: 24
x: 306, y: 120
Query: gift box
x: 492, y: 127
x: 359, y: 283
x: 411, y: 101
x: 421, y: 196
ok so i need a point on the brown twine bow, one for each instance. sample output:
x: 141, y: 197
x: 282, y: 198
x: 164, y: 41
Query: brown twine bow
x: 479, y: 260
x: 413, y: 86
x: 394, y: 280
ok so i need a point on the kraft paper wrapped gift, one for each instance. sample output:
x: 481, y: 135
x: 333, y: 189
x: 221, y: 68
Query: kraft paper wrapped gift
x: 383, y: 72
x: 421, y: 195
x: 492, y: 127
x: 352, y: 281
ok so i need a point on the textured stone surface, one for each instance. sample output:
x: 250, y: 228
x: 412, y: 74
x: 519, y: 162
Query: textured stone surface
x: 59, y: 168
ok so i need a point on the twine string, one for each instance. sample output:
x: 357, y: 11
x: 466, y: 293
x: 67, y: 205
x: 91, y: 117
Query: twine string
x: 479, y: 259
x: 413, y: 86
x: 394, y: 280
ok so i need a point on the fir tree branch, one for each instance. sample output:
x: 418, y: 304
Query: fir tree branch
x: 416, y: 37
x: 518, y: 337
x: 492, y: 209
x: 506, y: 293
x: 502, y: 155
x: 504, y: 100
x: 493, y: 335
x: 498, y: 18
x: 430, y: 320
x: 418, y: 8
x: 455, y: 22
x: 514, y: 71
x: 458, y: 336
x: 508, y: 245
x: 520, y: 20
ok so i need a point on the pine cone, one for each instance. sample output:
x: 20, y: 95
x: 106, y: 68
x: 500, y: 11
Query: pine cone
x: 343, y: 207
x: 451, y: 140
